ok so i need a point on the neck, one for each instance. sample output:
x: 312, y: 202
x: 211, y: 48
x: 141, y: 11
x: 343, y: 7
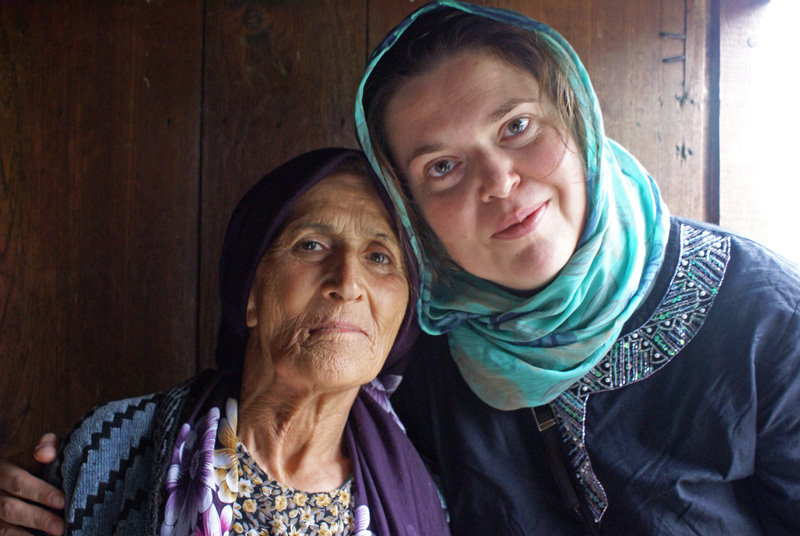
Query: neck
x: 295, y: 434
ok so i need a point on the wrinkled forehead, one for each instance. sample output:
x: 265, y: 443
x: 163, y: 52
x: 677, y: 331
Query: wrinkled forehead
x: 348, y: 197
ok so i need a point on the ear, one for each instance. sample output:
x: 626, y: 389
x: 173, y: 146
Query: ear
x: 252, y: 311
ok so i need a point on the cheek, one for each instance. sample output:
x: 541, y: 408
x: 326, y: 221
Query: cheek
x: 577, y: 204
x: 548, y: 155
x: 449, y: 216
x: 283, y: 300
x: 390, y: 311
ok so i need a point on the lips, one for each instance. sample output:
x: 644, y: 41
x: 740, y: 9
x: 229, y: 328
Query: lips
x: 521, y: 222
x: 335, y: 327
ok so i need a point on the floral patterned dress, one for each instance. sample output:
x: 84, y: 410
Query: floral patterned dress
x: 265, y: 507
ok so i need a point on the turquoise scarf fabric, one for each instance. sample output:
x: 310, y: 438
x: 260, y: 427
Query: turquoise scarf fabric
x: 519, y: 352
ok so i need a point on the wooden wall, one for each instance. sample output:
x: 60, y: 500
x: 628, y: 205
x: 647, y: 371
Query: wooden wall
x: 128, y: 131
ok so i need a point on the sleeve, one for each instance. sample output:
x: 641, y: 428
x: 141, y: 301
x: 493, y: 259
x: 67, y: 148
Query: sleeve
x: 777, y: 459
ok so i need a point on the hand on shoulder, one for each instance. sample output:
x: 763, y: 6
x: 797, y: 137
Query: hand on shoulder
x: 25, y: 498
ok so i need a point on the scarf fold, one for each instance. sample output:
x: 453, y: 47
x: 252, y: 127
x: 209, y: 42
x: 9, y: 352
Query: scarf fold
x: 522, y: 352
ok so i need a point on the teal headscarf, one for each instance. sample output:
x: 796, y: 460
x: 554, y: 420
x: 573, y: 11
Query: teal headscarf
x: 522, y: 352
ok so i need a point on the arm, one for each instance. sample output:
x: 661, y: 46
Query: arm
x: 777, y: 463
x: 22, y: 495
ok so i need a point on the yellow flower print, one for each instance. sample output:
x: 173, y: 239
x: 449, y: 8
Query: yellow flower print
x: 238, y: 528
x: 306, y: 517
x: 245, y: 487
x: 281, y: 503
x: 300, y: 499
x: 278, y: 525
x: 249, y: 506
x: 334, y: 510
x: 322, y: 499
x: 324, y: 530
x: 344, y: 497
x: 226, y: 465
x: 293, y: 531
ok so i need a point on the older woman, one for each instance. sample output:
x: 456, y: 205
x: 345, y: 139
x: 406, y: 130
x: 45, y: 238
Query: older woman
x: 294, y: 434
x: 660, y: 356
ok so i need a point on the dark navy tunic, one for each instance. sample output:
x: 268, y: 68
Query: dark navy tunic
x: 690, y: 424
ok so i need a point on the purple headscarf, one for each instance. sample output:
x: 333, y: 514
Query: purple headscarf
x: 392, y: 492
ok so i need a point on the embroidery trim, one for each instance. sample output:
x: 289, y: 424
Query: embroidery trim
x: 681, y: 313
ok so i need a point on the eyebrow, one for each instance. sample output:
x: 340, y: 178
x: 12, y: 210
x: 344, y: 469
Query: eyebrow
x: 422, y: 150
x: 507, y: 107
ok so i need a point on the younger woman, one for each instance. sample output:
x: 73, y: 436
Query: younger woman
x: 660, y: 356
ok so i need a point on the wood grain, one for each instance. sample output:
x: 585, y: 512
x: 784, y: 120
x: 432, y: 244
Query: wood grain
x: 99, y: 147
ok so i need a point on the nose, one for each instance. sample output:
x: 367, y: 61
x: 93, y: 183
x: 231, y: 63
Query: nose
x: 344, y: 280
x: 497, y: 175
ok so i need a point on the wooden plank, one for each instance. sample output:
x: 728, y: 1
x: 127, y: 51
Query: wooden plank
x: 99, y: 150
x: 280, y: 79
x: 655, y: 109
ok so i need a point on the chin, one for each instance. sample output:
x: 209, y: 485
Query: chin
x: 533, y: 268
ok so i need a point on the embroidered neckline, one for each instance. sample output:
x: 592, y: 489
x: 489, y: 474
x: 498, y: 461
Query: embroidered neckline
x: 699, y: 273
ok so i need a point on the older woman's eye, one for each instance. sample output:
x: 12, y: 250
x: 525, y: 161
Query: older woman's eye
x: 517, y: 126
x: 309, y: 245
x: 379, y: 257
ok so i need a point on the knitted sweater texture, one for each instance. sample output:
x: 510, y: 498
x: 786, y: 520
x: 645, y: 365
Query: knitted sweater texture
x: 113, y: 464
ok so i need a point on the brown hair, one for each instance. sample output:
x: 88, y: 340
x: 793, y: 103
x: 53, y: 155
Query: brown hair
x: 442, y: 33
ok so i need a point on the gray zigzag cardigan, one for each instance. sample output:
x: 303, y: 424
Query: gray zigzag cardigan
x: 113, y: 463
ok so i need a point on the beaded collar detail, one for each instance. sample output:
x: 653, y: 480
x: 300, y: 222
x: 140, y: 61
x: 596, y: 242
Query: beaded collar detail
x: 682, y: 311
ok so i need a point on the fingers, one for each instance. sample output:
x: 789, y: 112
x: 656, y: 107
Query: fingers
x: 46, y: 450
x: 10, y: 530
x: 17, y: 515
x: 17, y: 482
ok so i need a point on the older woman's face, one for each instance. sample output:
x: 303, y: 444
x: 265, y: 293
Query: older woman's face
x: 331, y: 291
x: 503, y: 189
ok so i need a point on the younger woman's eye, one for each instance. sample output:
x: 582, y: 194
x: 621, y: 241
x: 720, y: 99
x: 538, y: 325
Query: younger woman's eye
x: 441, y: 168
x: 516, y: 126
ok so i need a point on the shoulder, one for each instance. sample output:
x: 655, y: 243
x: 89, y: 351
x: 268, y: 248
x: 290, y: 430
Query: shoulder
x: 105, y: 463
x: 111, y: 426
x: 758, y: 285
x: 750, y: 257
x: 754, y: 323
x: 723, y: 302
x: 114, y: 422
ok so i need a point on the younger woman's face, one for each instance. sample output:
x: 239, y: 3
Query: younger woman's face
x: 502, y: 187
